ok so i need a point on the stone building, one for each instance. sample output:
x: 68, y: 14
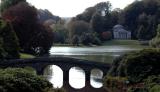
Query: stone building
x: 120, y: 33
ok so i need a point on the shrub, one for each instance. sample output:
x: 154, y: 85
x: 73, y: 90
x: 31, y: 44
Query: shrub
x: 137, y: 66
x: 137, y: 90
x: 155, y: 88
x: 114, y: 84
x: 140, y: 68
x: 22, y: 80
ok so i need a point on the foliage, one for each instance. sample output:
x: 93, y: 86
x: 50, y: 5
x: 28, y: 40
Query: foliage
x: 152, y: 81
x: 22, y: 80
x: 33, y: 37
x: 96, y: 23
x: 137, y: 90
x: 60, y: 32
x: 155, y: 88
x: 86, y: 15
x: 45, y: 15
x: 106, y: 35
x: 137, y: 67
x: 99, y: 17
x: 9, y: 45
x: 155, y: 42
x: 5, y: 4
x: 141, y: 33
x: 114, y: 84
x: 134, y: 13
x: 77, y: 29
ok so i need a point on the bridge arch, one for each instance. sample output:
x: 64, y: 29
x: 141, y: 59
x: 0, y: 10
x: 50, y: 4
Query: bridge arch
x: 77, y: 73
x: 54, y: 74
x: 96, y: 77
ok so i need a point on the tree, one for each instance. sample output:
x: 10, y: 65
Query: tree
x: 137, y: 66
x: 116, y: 16
x: 9, y: 46
x: 86, y: 15
x: 78, y: 28
x: 106, y: 35
x: 5, y: 4
x: 104, y: 7
x: 142, y: 8
x: 141, y: 33
x: 60, y: 33
x: 97, y: 23
x: 45, y: 15
x: 33, y: 37
x: 155, y: 42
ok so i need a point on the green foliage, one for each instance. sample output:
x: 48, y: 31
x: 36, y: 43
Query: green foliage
x: 60, y: 33
x: 114, y: 84
x: 143, y: 12
x: 140, y: 68
x: 155, y: 88
x: 9, y: 45
x: 155, y: 42
x: 151, y: 81
x: 99, y: 17
x: 137, y: 90
x: 137, y: 66
x: 141, y: 32
x: 22, y: 80
x: 97, y: 23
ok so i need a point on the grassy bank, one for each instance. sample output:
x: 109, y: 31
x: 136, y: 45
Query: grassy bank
x: 25, y: 56
x: 110, y: 42
x: 121, y: 42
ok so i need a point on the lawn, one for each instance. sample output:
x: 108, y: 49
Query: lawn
x: 25, y: 56
x: 121, y: 42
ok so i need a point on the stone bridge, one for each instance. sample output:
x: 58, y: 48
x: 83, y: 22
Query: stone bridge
x: 39, y: 64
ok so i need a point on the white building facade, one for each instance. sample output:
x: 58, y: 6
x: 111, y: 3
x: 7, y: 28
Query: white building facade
x: 120, y: 33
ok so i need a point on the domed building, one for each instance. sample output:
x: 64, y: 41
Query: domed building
x: 120, y: 33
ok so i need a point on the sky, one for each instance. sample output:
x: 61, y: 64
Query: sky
x: 70, y: 8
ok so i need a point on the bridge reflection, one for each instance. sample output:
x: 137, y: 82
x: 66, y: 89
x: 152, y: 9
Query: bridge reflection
x: 40, y: 64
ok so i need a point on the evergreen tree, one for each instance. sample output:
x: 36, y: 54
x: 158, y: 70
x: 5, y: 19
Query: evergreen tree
x: 9, y: 46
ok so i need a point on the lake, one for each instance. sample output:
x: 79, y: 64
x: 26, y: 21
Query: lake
x: 104, y: 54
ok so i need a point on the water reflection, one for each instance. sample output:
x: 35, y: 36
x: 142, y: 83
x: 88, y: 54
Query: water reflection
x: 99, y: 53
x: 55, y: 75
x: 96, y: 78
x: 77, y: 77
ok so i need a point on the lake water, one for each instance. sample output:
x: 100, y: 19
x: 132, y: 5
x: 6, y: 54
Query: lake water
x: 98, y: 53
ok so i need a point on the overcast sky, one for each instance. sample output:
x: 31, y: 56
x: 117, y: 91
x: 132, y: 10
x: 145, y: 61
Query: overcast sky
x: 70, y: 8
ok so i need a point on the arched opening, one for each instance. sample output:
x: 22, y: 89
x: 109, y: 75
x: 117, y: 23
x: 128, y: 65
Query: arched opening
x: 96, y: 78
x: 54, y: 74
x: 77, y: 77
